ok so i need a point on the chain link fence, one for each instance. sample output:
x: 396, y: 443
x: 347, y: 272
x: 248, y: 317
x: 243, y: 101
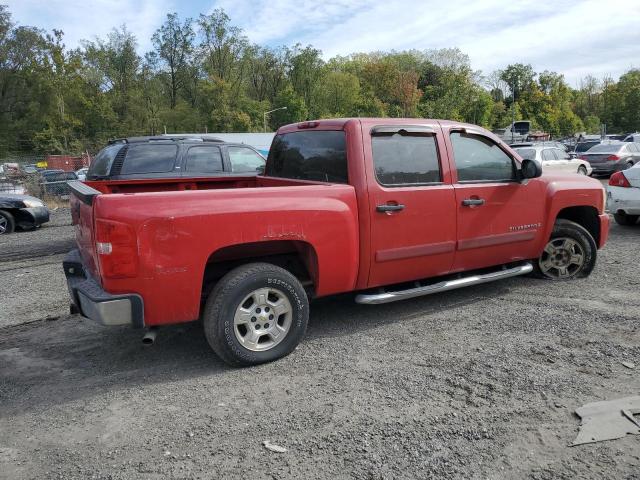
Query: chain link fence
x: 42, y: 176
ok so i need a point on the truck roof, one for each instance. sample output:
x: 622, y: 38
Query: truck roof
x: 341, y: 122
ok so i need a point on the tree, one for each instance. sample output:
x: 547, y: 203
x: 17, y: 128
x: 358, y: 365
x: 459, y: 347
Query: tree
x: 173, y: 42
x: 519, y: 77
x: 223, y: 47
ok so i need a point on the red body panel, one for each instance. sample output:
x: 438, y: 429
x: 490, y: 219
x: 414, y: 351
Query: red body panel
x: 181, y: 223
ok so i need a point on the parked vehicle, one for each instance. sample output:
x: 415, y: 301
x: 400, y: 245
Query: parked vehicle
x: 608, y: 158
x: 554, y: 160
x: 82, y: 173
x: 21, y: 211
x: 623, y: 195
x: 389, y: 208
x: 54, y: 182
x: 582, y: 147
x: 515, y: 132
x: 8, y: 186
x: 632, y: 137
x: 174, y: 157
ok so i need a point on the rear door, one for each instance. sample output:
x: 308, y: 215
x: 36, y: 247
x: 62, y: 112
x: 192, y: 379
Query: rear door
x: 411, y: 202
x: 562, y: 159
x: 550, y: 163
x: 498, y: 217
x: 202, y: 160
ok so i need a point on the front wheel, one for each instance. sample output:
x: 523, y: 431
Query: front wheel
x: 624, y: 219
x: 7, y: 222
x: 256, y: 313
x: 570, y: 253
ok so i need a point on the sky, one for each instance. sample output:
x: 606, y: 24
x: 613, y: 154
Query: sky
x: 572, y: 37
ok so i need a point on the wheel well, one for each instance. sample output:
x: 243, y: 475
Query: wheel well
x: 584, y: 216
x: 298, y: 258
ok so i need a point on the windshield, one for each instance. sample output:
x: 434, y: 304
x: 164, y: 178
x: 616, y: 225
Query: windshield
x: 583, y: 147
x: 527, y: 153
x: 318, y: 155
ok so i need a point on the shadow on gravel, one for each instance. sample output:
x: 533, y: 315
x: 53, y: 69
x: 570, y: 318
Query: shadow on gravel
x: 37, y: 249
x: 72, y: 358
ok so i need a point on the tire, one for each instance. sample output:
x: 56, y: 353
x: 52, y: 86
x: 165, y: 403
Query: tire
x: 628, y: 165
x: 7, y: 222
x: 255, y: 294
x: 624, y: 219
x: 570, y: 253
x: 582, y: 170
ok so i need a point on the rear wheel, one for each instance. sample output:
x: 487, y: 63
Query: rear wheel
x: 622, y: 218
x: 7, y: 222
x: 582, y: 170
x: 570, y: 253
x: 255, y: 314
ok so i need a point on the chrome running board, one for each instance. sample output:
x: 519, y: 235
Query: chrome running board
x: 386, y: 297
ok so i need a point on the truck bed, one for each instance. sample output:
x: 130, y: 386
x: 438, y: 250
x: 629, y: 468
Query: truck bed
x: 195, y: 183
x: 180, y: 225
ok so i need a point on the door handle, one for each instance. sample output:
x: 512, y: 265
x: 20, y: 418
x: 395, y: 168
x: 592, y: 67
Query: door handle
x: 389, y: 208
x: 468, y: 202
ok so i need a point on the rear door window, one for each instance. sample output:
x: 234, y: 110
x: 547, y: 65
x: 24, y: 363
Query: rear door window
x: 203, y: 159
x: 149, y: 158
x: 479, y: 159
x: 547, y: 154
x: 405, y: 159
x: 318, y: 155
x: 245, y: 160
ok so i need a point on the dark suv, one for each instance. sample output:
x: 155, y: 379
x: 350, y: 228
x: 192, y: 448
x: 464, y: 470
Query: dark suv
x: 170, y: 157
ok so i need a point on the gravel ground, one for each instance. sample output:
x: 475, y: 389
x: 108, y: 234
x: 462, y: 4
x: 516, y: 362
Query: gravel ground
x: 32, y: 283
x: 475, y: 383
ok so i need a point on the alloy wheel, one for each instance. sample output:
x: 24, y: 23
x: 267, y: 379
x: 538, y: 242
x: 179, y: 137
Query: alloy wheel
x: 263, y: 319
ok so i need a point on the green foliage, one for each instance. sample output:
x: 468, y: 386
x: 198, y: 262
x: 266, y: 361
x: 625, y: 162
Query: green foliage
x: 207, y: 76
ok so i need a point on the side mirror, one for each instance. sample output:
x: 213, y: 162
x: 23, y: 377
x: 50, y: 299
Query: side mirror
x: 530, y: 169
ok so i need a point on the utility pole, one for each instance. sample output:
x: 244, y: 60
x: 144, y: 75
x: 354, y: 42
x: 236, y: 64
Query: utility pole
x: 264, y: 117
x: 513, y: 108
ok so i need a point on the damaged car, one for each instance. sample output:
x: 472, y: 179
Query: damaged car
x: 21, y: 211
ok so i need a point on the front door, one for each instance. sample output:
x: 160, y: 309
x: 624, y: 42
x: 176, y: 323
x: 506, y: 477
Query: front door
x: 499, y: 219
x: 412, y: 203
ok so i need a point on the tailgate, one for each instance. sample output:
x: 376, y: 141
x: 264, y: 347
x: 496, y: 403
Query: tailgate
x: 81, y: 203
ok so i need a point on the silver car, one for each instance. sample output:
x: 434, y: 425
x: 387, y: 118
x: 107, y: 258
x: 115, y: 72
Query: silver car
x: 608, y: 158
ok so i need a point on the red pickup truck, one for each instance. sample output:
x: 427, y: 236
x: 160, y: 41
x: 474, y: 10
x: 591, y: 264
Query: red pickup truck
x: 388, y: 208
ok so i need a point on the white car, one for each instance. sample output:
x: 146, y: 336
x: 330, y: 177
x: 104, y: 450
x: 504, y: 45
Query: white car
x: 554, y: 159
x: 82, y: 173
x: 623, y: 195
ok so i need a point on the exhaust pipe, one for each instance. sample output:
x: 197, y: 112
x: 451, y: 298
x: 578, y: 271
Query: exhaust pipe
x: 149, y: 337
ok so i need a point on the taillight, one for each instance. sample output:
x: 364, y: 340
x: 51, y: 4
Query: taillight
x: 117, y: 249
x: 613, y: 158
x: 582, y: 157
x: 619, y: 180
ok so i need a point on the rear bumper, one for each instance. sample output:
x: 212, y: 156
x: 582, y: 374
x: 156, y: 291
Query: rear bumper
x: 607, y: 168
x: 622, y: 199
x: 604, y: 229
x: 91, y: 301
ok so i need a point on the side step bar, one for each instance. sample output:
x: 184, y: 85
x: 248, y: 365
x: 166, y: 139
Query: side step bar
x: 386, y: 297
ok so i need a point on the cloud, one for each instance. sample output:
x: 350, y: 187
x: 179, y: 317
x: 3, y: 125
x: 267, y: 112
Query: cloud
x: 574, y: 37
x: 84, y: 20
